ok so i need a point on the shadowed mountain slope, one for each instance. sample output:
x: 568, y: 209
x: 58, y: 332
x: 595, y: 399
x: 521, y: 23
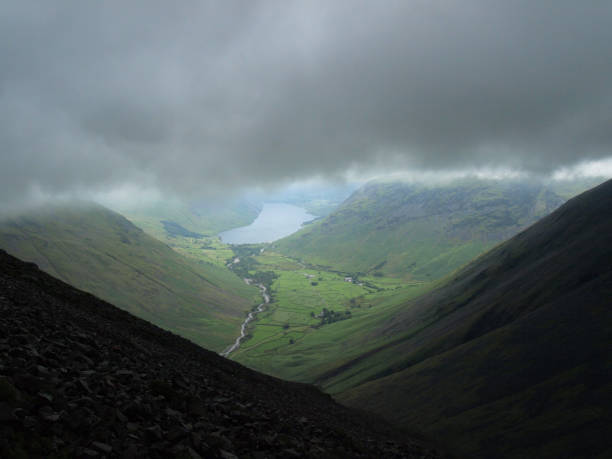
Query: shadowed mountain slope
x: 420, y: 231
x: 81, y: 378
x: 100, y: 251
x: 512, y: 355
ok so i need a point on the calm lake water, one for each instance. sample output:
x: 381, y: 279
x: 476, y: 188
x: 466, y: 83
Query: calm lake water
x: 274, y: 222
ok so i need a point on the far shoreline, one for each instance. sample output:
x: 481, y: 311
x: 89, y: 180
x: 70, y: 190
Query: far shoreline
x: 274, y: 222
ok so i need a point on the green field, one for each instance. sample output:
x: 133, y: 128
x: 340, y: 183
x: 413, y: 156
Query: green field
x: 294, y: 340
x: 208, y: 249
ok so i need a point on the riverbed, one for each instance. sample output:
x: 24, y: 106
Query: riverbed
x: 250, y: 317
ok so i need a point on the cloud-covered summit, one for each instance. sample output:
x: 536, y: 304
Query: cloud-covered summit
x: 196, y: 95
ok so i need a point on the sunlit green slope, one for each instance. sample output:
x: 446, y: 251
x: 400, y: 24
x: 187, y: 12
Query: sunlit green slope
x: 100, y: 251
x: 418, y: 231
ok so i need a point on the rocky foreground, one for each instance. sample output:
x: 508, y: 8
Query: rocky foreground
x: 81, y: 378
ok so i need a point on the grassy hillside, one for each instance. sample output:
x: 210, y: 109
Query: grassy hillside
x: 422, y: 232
x: 191, y: 229
x: 205, y: 220
x: 510, y: 356
x: 101, y: 252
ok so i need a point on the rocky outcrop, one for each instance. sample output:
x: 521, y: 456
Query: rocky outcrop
x: 81, y: 378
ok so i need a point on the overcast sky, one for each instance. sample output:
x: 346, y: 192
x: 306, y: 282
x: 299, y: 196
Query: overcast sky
x: 186, y: 96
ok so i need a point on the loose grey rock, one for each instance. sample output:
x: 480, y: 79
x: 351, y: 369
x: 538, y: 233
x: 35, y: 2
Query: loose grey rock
x: 75, y: 382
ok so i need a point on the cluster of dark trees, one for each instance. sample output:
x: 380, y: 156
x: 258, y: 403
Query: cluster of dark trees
x: 328, y: 316
x: 247, y: 264
x: 263, y: 277
x: 173, y: 229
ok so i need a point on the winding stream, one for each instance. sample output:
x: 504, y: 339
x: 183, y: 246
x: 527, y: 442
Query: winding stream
x: 251, y: 316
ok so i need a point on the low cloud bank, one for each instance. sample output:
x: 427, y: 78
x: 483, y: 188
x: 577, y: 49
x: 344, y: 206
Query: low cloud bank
x: 206, y: 97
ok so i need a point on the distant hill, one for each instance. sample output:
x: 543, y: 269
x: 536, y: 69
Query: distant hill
x: 173, y: 229
x: 512, y: 355
x: 81, y: 378
x: 101, y: 252
x: 318, y: 200
x: 165, y: 219
x: 420, y: 231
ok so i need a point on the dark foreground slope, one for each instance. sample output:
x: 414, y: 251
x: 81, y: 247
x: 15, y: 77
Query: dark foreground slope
x: 81, y: 378
x: 100, y: 251
x: 512, y: 357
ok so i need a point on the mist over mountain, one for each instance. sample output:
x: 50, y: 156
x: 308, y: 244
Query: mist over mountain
x: 203, y: 98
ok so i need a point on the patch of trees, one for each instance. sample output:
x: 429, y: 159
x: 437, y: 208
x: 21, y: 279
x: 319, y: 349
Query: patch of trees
x: 173, y: 229
x: 263, y: 277
x: 371, y: 286
x: 330, y: 316
x: 246, y: 250
x: 245, y: 265
x: 379, y: 265
x: 248, y: 264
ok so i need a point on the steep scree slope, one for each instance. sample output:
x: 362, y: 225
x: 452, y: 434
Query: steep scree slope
x: 81, y: 378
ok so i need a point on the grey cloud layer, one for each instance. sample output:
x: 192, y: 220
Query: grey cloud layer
x: 192, y: 95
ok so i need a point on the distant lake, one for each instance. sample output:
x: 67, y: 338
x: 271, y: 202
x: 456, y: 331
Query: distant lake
x: 274, y: 222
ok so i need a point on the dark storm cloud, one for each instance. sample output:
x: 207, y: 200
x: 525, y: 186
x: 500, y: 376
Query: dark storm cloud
x: 189, y: 96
